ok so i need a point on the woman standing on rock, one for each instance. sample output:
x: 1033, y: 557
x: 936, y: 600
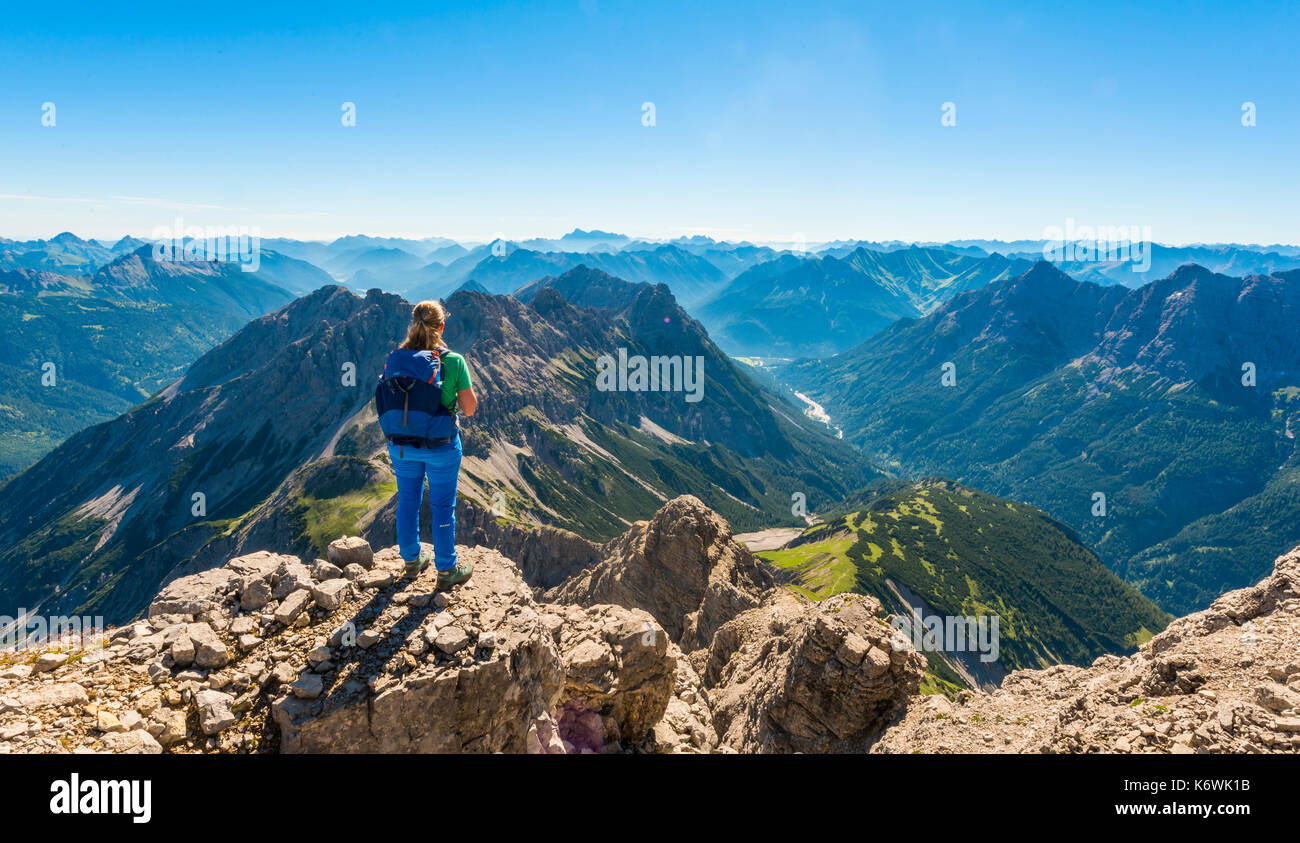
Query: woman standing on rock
x: 422, y: 388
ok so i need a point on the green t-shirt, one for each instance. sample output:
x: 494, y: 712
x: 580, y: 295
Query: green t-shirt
x: 455, y: 377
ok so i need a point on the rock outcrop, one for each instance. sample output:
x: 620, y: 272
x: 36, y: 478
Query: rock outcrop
x: 794, y: 677
x: 682, y: 567
x: 1225, y: 679
x: 676, y: 641
x: 416, y: 671
x: 268, y: 653
x: 273, y: 653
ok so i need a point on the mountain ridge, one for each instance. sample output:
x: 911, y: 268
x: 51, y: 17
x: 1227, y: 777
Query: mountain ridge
x: 1062, y: 389
x: 545, y: 447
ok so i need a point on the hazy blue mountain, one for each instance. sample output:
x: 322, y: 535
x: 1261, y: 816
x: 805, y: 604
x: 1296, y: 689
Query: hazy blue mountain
x: 808, y: 307
x: 381, y: 267
x: 841, y: 248
x: 730, y: 258
x: 444, y: 255
x: 507, y: 268
x: 345, y: 256
x: 297, y: 276
x: 126, y: 244
x: 1227, y: 260
x: 65, y: 253
x: 579, y: 241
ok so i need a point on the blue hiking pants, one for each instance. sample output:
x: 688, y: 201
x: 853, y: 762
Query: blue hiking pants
x: 442, y: 467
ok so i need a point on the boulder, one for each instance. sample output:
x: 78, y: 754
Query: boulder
x: 137, y: 742
x: 210, y: 651
x: 351, y: 550
x: 290, y: 576
x: 619, y: 675
x: 331, y: 593
x: 214, y: 711
x: 794, y: 676
x: 292, y: 606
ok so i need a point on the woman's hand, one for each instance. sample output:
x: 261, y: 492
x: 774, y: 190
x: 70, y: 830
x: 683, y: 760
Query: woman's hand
x: 467, y: 401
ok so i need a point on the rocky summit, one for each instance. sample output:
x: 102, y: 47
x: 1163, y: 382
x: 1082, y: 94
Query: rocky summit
x: 682, y: 566
x: 672, y: 638
x: 1222, y: 680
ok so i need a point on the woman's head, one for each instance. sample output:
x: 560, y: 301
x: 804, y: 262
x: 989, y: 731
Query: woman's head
x: 425, y: 333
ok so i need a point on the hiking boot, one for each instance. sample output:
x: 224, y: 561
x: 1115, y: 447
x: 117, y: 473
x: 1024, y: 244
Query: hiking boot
x: 415, y: 566
x: 457, y: 575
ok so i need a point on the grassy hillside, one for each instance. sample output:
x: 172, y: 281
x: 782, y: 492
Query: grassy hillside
x: 966, y: 553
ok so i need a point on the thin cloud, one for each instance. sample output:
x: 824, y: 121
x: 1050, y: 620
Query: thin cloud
x: 119, y: 200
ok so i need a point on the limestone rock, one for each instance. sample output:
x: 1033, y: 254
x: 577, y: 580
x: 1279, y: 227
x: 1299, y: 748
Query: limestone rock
x: 782, y: 677
x: 1210, y: 682
x: 351, y: 550
x: 214, y: 711
x: 618, y: 676
x: 195, y: 594
x: 480, y: 705
x: 322, y: 570
x: 682, y: 566
x: 49, y: 694
x: 308, y: 687
x: 290, y: 576
x: 331, y: 593
x: 209, y: 650
x: 138, y: 742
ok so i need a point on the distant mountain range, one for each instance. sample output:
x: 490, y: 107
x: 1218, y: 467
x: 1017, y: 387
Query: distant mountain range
x: 689, y: 276
x: 1177, y: 401
x: 80, y: 349
x: 812, y: 307
x: 1238, y: 261
x: 100, y: 521
x: 418, y: 272
x: 64, y: 253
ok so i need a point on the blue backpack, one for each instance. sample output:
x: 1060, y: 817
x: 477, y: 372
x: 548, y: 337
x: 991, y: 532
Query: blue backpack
x: 408, y: 400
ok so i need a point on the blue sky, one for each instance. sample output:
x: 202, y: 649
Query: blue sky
x: 772, y: 120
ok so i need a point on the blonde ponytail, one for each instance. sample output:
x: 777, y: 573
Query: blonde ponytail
x: 425, y: 333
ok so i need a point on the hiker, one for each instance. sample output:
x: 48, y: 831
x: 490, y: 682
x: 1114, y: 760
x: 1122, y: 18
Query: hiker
x: 421, y: 393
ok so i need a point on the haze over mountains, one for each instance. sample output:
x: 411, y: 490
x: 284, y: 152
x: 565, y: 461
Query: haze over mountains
x: 815, y: 307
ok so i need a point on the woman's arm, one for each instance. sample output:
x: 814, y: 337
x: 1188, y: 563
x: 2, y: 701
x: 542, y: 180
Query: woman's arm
x: 467, y: 401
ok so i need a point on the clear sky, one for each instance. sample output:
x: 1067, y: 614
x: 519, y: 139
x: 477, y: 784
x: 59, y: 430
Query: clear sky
x: 772, y: 119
